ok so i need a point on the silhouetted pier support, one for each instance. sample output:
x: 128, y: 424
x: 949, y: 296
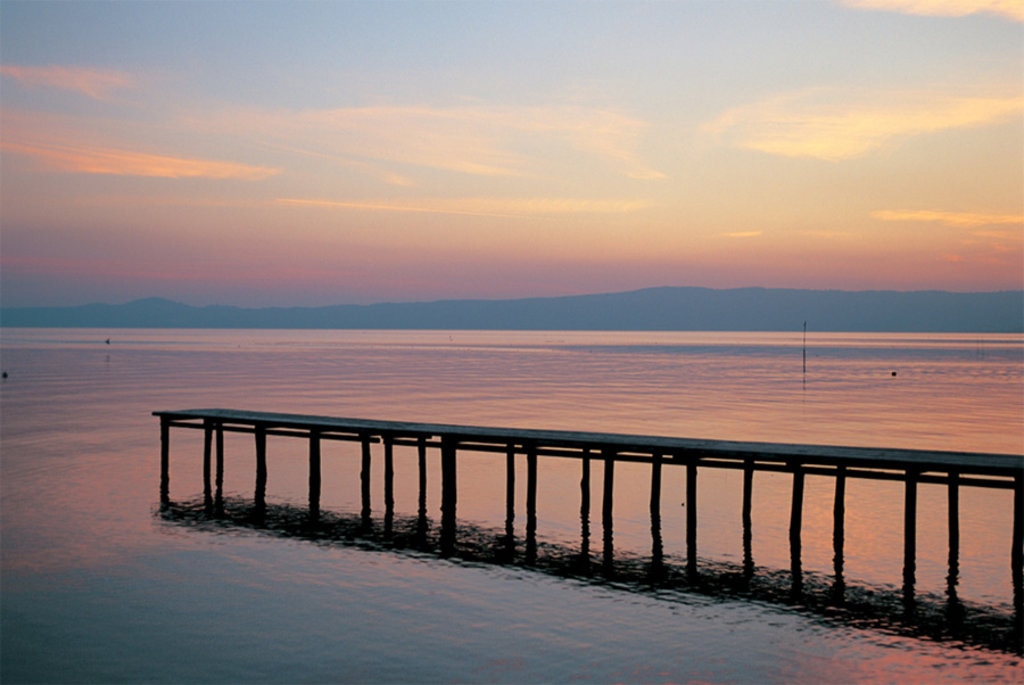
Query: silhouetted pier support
x: 796, y: 517
x: 585, y: 510
x: 909, y: 536
x: 839, y: 534
x: 165, y: 460
x: 218, y: 501
x: 912, y: 467
x: 260, y: 431
x: 207, y: 461
x: 364, y: 478
x: 213, y: 437
x: 691, y: 518
x: 449, y: 494
x: 531, y: 503
x: 1017, y: 550
x: 657, y: 548
x: 748, y: 536
x: 421, y: 508
x: 510, y: 501
x: 421, y: 463
x: 389, y: 483
x: 607, y: 505
x: 314, y: 474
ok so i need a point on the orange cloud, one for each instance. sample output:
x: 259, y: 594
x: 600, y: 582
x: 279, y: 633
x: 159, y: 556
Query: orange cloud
x: 830, y: 125
x: 94, y: 83
x: 477, y: 206
x: 85, y: 159
x: 1011, y: 9
x: 966, y: 219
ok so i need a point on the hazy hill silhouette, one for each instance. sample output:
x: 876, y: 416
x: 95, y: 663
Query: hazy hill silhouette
x: 666, y: 308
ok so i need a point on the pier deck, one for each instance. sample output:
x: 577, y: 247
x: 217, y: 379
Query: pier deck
x: 860, y: 461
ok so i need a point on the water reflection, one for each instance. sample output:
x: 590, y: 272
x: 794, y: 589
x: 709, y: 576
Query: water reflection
x: 879, y: 608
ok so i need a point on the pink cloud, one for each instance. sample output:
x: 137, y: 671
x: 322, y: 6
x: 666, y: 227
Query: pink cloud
x: 86, y: 159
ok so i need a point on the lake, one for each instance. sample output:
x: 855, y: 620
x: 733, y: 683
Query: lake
x: 99, y: 585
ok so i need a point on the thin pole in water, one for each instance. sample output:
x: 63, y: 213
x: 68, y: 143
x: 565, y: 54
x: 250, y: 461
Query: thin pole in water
x: 805, y: 348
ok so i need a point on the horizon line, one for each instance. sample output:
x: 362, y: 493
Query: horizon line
x: 509, y: 298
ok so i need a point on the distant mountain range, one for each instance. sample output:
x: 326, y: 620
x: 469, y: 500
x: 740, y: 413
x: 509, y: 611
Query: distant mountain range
x: 668, y: 308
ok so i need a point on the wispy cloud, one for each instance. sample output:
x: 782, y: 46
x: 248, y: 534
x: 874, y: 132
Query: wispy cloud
x: 95, y: 83
x: 86, y: 159
x: 833, y: 125
x: 1011, y: 9
x: 965, y: 219
x: 744, y: 234
x: 481, y: 206
x: 478, y: 140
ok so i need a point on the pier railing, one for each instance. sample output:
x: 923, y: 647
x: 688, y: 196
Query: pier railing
x: 912, y: 467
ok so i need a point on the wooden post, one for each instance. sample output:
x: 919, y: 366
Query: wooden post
x: 314, y: 474
x: 449, y: 489
x: 839, y: 529
x: 531, y: 503
x: 207, y: 454
x: 421, y: 449
x: 748, y: 487
x: 691, y: 518
x: 657, y: 550
x: 389, y: 483
x: 655, y: 506
x: 795, y: 523
x: 510, y: 500
x: 260, y: 432
x: 165, y: 460
x: 219, y: 478
x: 607, y: 522
x: 953, y: 515
x: 585, y: 509
x: 909, y: 536
x: 1017, y: 553
x: 421, y: 518
x: 364, y: 479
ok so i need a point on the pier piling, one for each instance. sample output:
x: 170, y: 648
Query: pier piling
x: 531, y: 503
x: 839, y: 533
x: 314, y: 475
x: 364, y: 478
x: 796, y: 515
x: 607, y: 503
x: 207, y: 461
x: 389, y: 483
x: 449, y: 494
x: 691, y: 518
x: 260, y: 433
x: 909, y: 536
x: 748, y: 489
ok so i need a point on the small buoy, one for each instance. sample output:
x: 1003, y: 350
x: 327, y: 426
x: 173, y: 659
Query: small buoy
x: 108, y: 341
x: 3, y: 375
x: 894, y: 373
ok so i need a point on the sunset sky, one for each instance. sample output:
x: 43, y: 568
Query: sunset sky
x: 312, y: 153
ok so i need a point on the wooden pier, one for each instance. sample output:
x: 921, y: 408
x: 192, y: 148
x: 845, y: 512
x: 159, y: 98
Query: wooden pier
x: 912, y: 467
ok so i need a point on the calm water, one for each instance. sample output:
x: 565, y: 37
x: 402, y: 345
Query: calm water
x: 98, y: 587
